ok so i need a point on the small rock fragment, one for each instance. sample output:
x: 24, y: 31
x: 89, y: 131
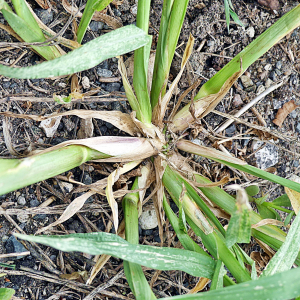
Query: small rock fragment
x: 46, y: 15
x: 133, y: 10
x: 85, y: 82
x: 246, y: 81
x: 237, y: 100
x: 260, y: 89
x: 104, y: 72
x: 272, y: 4
x: 267, y: 156
x: 268, y: 83
x: 68, y: 187
x: 14, y: 246
x: 22, y: 218
x: 268, y: 67
x: 148, y: 218
x: 50, y: 125
x: 21, y: 200
x: 250, y: 31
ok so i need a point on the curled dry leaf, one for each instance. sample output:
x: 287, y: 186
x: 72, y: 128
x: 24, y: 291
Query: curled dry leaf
x: 42, y: 3
x: 293, y: 195
x: 120, y: 120
x: 272, y: 4
x: 283, y: 112
x: 70, y: 211
x: 203, y: 106
x: 112, y: 178
x: 98, y: 16
x: 268, y: 222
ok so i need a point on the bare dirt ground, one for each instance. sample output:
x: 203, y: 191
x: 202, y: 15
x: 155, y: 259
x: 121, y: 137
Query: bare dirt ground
x: 37, y: 275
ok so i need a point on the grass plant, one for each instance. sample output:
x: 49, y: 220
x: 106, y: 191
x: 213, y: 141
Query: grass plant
x: 157, y: 143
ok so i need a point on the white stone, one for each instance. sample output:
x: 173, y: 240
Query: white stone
x: 267, y: 156
x: 85, y: 82
x: 21, y: 200
x: 250, y: 31
x: 148, y: 218
x: 260, y: 89
x: 22, y: 218
x: 133, y: 10
x: 50, y: 125
x: 268, y: 67
x: 246, y: 81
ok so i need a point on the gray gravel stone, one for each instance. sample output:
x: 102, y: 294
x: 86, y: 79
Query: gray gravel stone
x: 21, y: 200
x: 22, y: 218
x: 95, y: 26
x: 279, y: 65
x: 246, y: 81
x: 298, y: 128
x: 34, y: 203
x: 45, y: 15
x: 113, y: 87
x: 14, y: 246
x: 87, y: 179
x: 273, y: 75
x: 267, y: 156
x: 230, y: 131
x: 104, y: 72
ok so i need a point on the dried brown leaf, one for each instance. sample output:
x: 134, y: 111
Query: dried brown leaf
x: 86, y: 129
x: 98, y: 16
x: 283, y: 112
x: 190, y: 147
x: 112, y: 178
x: 293, y: 195
x: 183, y: 119
x: 120, y: 120
x: 272, y: 4
x: 268, y: 222
x: 70, y: 211
x: 200, y: 285
x: 42, y: 3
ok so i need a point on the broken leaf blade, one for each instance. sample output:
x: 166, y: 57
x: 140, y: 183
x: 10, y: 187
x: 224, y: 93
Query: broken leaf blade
x: 239, y: 227
x: 285, y: 257
x: 161, y: 258
x: 117, y: 42
x: 281, y: 286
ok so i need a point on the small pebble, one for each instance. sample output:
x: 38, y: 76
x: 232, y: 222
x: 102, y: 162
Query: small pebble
x: 298, y: 128
x: 237, y: 100
x: 21, y: 200
x: 278, y: 65
x: 273, y: 75
x: 14, y: 246
x: 267, y: 156
x: 268, y: 67
x: 230, y: 131
x: 251, y: 32
x: 85, y: 82
x: 34, y: 203
x: 87, y: 179
x: 104, y: 72
x: 45, y: 15
x: 22, y: 218
x: 133, y: 10
x: 268, y: 83
x: 148, y: 218
x: 246, y: 81
x: 113, y: 87
x: 96, y: 26
x: 260, y: 89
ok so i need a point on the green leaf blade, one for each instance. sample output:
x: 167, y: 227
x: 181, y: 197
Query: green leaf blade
x: 6, y: 294
x: 153, y: 257
x: 117, y: 42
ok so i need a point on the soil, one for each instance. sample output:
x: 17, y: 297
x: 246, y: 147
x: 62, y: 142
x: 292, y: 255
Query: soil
x: 37, y: 276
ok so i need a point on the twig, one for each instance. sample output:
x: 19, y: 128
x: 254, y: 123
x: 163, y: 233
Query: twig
x: 104, y: 286
x: 15, y: 254
x: 250, y: 104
